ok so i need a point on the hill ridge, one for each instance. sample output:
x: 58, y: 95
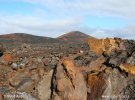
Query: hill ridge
x: 74, y: 37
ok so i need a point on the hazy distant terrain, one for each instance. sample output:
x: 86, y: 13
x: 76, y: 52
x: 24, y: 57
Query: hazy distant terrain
x: 71, y: 37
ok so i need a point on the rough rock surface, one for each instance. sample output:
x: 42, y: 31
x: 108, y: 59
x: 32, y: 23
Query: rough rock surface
x: 44, y: 86
x: 103, y: 69
x: 69, y: 81
x: 1, y: 97
x: 102, y: 45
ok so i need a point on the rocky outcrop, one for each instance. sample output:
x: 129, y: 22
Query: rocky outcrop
x: 115, y: 83
x: 97, y: 85
x: 69, y: 83
x: 44, y: 86
x: 69, y: 72
x: 107, y: 45
x: 128, y: 68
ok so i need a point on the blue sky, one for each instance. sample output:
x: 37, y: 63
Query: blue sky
x: 16, y: 7
x: 105, y: 22
x: 99, y: 18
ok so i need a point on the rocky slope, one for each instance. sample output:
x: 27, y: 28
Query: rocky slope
x: 69, y: 72
x: 74, y: 37
x: 26, y: 38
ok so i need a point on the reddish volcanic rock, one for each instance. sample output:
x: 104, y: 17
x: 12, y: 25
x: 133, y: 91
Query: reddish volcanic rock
x: 8, y: 57
x: 1, y: 97
x: 128, y: 68
x: 69, y: 81
x: 102, y: 45
x: 96, y: 85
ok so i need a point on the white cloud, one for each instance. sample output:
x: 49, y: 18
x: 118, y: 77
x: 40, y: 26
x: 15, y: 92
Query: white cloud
x: 121, y: 8
x: 68, y: 15
x: 36, y: 25
x: 39, y: 26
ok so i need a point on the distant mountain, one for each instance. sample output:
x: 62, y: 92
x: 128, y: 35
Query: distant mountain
x: 26, y: 38
x: 71, y: 37
x: 74, y: 37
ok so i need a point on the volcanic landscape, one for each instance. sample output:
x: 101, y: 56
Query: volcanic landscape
x: 74, y: 66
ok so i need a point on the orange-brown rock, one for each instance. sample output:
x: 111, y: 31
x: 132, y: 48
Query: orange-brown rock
x: 96, y: 45
x: 102, y: 45
x: 8, y: 57
x: 41, y: 71
x: 96, y: 85
x: 70, y: 82
x: 128, y: 68
x: 1, y: 97
x: 69, y: 65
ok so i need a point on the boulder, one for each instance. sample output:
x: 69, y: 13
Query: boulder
x: 118, y: 58
x: 96, y: 85
x: 128, y: 68
x: 44, y: 86
x: 69, y: 81
x: 115, y: 83
x: 14, y: 66
x: 6, y: 58
x: 102, y: 45
x: 131, y: 59
x: 128, y: 91
x: 97, y: 63
x: 22, y: 80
